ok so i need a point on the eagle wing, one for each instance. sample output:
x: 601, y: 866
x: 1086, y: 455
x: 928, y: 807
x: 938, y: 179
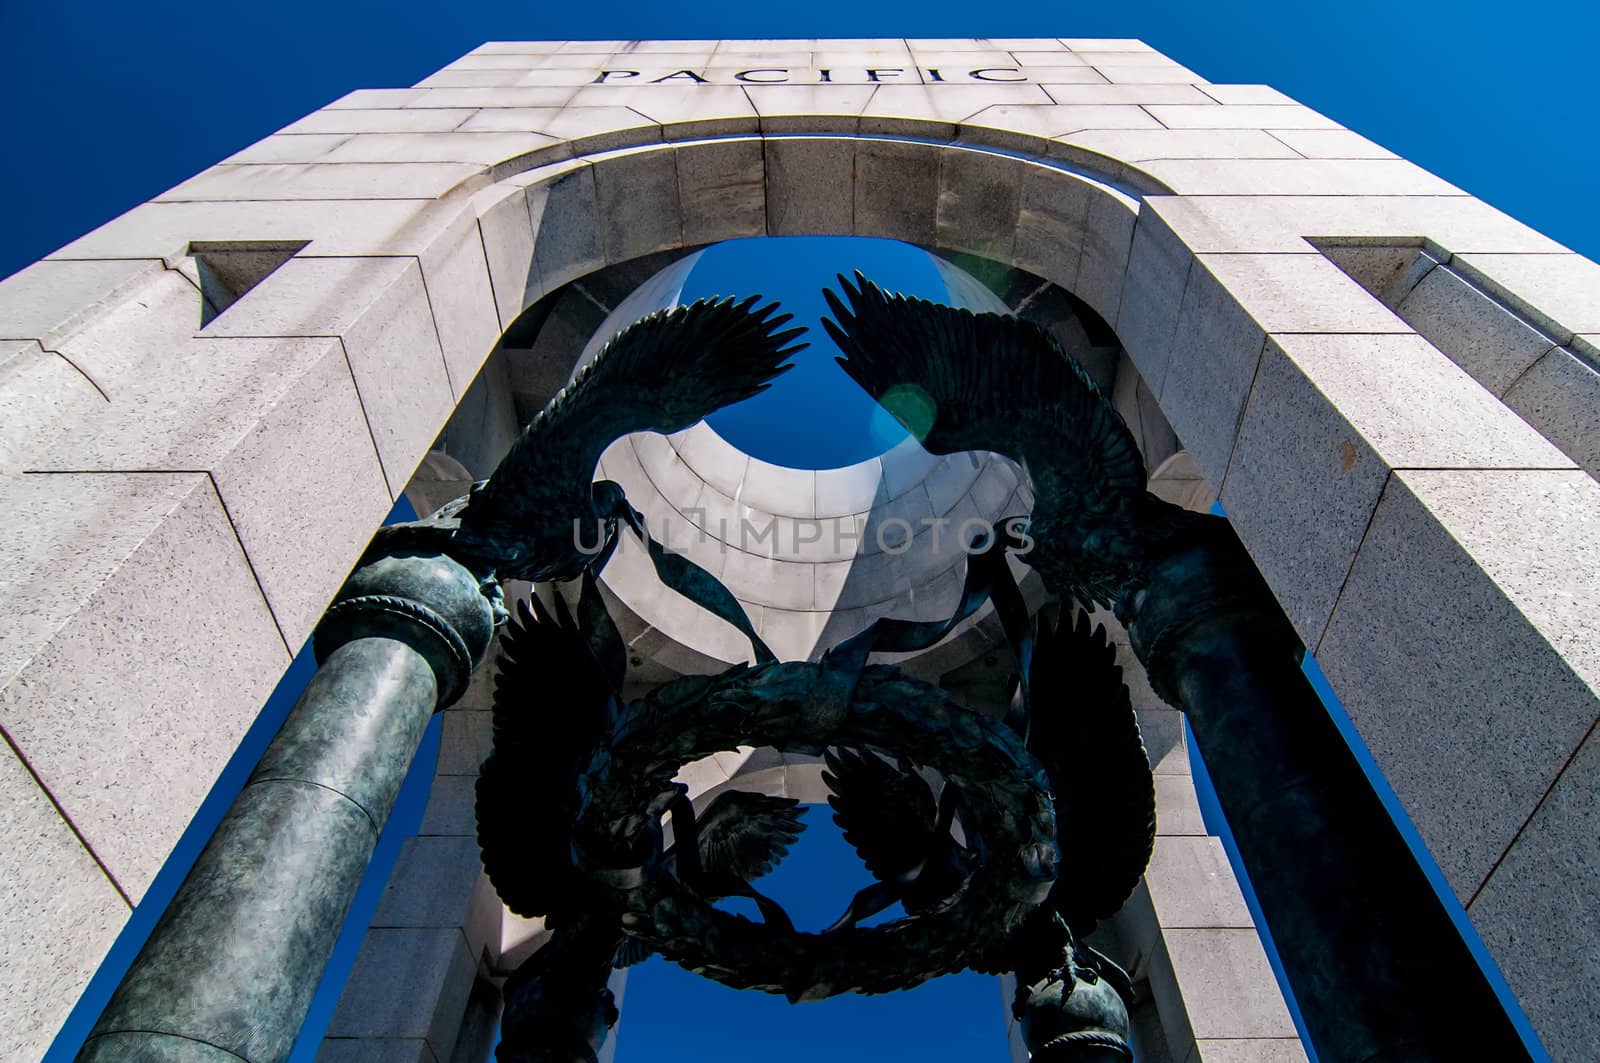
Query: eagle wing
x: 747, y: 834
x: 552, y: 701
x: 1083, y: 729
x: 966, y: 381
x: 662, y: 373
x: 887, y: 813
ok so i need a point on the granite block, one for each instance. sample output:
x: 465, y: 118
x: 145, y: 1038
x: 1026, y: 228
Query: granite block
x: 1191, y: 883
x: 506, y: 244
x: 369, y: 99
x: 1328, y: 418
x: 465, y: 740
x: 438, y: 882
x: 808, y: 108
x: 484, y: 148
x: 166, y: 230
x: 450, y: 807
x: 1475, y: 330
x: 896, y: 191
x: 504, y: 77
x: 375, y: 1050
x: 1274, y: 223
x: 681, y: 106
x: 289, y: 147
x: 1560, y: 396
x: 555, y: 92
x: 456, y: 272
x: 1052, y: 219
x: 1472, y: 598
x: 1093, y: 95
x: 1536, y: 912
x: 1239, y: 116
x: 810, y: 186
x: 1214, y: 357
x: 566, y: 225
x: 852, y: 489
x: 382, y: 119
x: 1299, y: 293
x: 407, y: 984
x: 1331, y: 143
x: 1558, y: 293
x: 1141, y: 145
x: 50, y: 300
x: 979, y: 203
x: 305, y: 482
x: 637, y: 204
x: 722, y: 186
x: 1152, y: 294
x: 60, y: 917
x: 794, y: 635
x: 1248, y: 95
x: 1225, y: 984
x: 90, y: 698
x: 712, y: 458
x: 344, y: 180
x: 770, y: 581
x: 379, y: 310
x: 897, y: 109
x: 1107, y: 245
x: 41, y: 394
x: 1296, y: 177
x: 1166, y: 74
x: 1247, y: 1050
x: 1177, y: 807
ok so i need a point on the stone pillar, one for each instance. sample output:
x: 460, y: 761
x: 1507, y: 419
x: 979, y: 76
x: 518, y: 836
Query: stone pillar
x: 1379, y: 970
x: 230, y: 970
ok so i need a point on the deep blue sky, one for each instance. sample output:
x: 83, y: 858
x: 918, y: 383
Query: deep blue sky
x: 109, y: 104
x: 814, y: 416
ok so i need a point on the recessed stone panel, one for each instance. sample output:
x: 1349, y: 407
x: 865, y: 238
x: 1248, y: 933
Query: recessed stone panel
x: 1560, y: 396
x: 1476, y: 331
x: 379, y: 310
x: 1558, y: 293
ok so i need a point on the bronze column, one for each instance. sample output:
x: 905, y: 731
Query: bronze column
x: 1381, y: 974
x: 230, y: 969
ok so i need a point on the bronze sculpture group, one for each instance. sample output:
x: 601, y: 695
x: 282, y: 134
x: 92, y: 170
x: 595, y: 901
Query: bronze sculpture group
x: 1004, y: 837
x: 1044, y: 815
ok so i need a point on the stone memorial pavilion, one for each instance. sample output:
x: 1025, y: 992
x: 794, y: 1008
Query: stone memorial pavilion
x: 210, y: 403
